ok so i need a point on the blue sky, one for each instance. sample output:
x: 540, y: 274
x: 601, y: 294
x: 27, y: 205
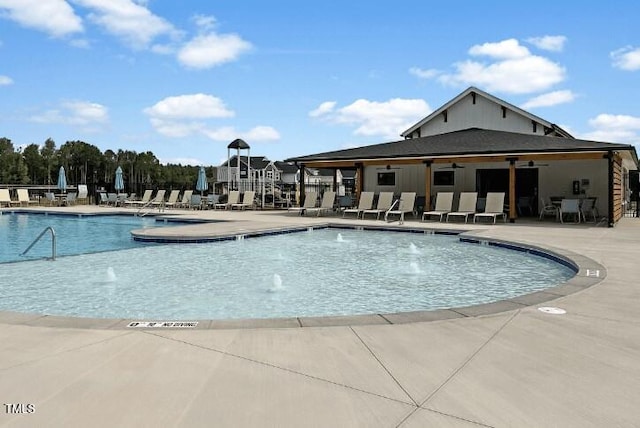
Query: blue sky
x: 184, y: 78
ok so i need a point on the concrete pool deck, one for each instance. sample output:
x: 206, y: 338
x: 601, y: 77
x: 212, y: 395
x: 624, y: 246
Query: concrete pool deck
x: 517, y: 368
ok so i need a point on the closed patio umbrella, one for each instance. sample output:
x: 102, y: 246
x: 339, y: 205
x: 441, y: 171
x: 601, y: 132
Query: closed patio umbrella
x: 119, y: 183
x: 202, y: 183
x: 62, y: 180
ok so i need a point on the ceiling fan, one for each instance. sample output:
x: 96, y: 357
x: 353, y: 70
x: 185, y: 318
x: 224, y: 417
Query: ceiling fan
x: 452, y: 166
x: 532, y: 164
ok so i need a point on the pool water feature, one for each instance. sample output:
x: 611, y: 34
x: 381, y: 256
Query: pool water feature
x: 75, y: 234
x: 313, y: 273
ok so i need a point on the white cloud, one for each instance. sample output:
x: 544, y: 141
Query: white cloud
x: 209, y: 50
x: 129, y: 20
x: 424, y: 74
x: 54, y: 17
x: 618, y: 128
x: 548, y: 43
x: 183, y: 161
x: 506, y: 49
x: 627, y: 58
x: 516, y: 70
x: 323, y: 109
x: 386, y: 119
x: 550, y: 99
x: 193, y: 106
x: 5, y: 80
x: 256, y: 134
x: 85, y: 115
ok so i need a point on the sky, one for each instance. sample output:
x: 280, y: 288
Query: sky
x: 185, y: 78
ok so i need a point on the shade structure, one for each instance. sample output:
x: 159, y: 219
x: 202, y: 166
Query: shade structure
x: 119, y: 182
x: 62, y: 180
x: 202, y: 184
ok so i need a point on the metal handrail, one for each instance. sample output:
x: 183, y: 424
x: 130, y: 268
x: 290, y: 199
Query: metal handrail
x: 53, y: 242
x: 161, y: 207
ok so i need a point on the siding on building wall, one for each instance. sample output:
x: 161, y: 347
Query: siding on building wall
x: 483, y: 114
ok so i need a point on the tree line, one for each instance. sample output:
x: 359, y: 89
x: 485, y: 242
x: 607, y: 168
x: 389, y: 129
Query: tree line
x: 85, y: 164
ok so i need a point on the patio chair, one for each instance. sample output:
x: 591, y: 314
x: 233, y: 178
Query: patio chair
x: 112, y: 199
x: 588, y: 206
x: 444, y: 205
x: 24, y: 198
x: 71, y: 198
x: 83, y: 193
x: 407, y: 201
x: 232, y: 198
x: 146, y: 197
x: 548, y: 208
x: 385, y: 199
x: 466, y: 206
x: 195, y: 202
x: 5, y: 198
x: 494, y: 207
x: 212, y: 200
x: 186, y: 199
x: 571, y: 207
x: 365, y: 203
x: 309, y: 202
x: 173, y: 199
x: 247, y: 200
x: 50, y: 199
x: 328, y: 199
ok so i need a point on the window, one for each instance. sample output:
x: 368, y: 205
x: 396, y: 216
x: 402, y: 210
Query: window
x: 386, y: 179
x: 443, y: 178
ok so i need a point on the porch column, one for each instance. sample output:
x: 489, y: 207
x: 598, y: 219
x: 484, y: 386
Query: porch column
x: 513, y: 214
x: 335, y: 180
x: 610, y: 199
x: 427, y: 185
x: 301, y: 185
x: 359, y: 179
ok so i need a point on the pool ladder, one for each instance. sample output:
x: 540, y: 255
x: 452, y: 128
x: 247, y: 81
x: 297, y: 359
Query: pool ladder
x: 53, y: 242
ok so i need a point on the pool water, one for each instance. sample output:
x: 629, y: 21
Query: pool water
x: 74, y: 234
x: 313, y: 273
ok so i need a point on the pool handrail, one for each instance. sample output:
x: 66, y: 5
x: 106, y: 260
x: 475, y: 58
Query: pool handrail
x: 53, y: 242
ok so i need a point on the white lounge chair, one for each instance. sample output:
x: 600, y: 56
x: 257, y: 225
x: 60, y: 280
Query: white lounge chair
x: 5, y: 198
x: 24, y: 198
x: 146, y: 197
x: 173, y: 199
x: 309, y: 202
x: 385, y: 199
x: 466, y: 206
x: 328, y: 199
x: 83, y: 193
x: 407, y: 201
x: 365, y: 203
x: 493, y: 208
x: 444, y: 205
x: 186, y: 199
x: 247, y: 200
x: 159, y: 199
x: 233, y: 198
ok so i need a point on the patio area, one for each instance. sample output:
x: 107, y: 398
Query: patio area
x: 516, y: 368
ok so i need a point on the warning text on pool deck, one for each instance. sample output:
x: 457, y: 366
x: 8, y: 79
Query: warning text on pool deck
x: 162, y: 324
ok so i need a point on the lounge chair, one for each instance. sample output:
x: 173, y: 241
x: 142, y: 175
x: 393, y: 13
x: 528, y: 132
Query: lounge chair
x: 24, y: 198
x: 365, y: 203
x: 247, y: 200
x: 158, y: 201
x: 173, y: 199
x: 232, y: 198
x: 309, y: 202
x: 186, y: 199
x: 570, y: 206
x: 328, y: 199
x: 444, y: 205
x: 83, y: 193
x: 146, y: 197
x: 466, y: 206
x: 385, y: 199
x: 493, y: 208
x: 5, y: 198
x: 407, y: 201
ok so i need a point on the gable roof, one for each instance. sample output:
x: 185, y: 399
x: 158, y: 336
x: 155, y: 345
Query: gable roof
x: 472, y: 141
x: 555, y: 128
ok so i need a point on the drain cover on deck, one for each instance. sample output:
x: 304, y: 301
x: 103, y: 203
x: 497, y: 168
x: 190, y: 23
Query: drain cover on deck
x: 552, y: 310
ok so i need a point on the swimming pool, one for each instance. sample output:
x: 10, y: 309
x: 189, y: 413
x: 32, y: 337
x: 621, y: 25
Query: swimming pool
x: 75, y: 234
x: 314, y: 273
